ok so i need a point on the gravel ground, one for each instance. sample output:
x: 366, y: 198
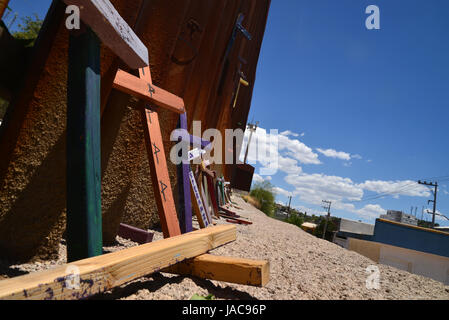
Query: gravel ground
x: 301, y: 267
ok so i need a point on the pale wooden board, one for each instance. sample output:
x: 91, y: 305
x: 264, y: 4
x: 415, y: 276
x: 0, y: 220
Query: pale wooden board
x: 113, y: 31
x: 198, y: 206
x: 101, y: 273
x: 233, y: 270
x: 145, y: 90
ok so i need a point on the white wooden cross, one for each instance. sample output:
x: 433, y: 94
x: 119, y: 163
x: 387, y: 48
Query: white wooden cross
x: 113, y: 31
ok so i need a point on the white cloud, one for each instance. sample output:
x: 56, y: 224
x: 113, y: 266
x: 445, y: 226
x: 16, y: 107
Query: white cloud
x: 356, y: 156
x: 310, y: 211
x: 298, y: 150
x: 289, y: 165
x: 313, y: 188
x: 370, y: 211
x: 268, y: 149
x: 289, y: 133
x: 331, y: 153
x: 396, y: 188
x: 281, y: 191
x: 257, y: 178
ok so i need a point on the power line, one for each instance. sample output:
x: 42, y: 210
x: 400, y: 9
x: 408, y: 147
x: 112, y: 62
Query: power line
x: 400, y: 189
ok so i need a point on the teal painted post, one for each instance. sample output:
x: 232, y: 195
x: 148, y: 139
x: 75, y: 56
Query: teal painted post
x: 84, y: 226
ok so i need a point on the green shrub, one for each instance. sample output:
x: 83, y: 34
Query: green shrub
x: 263, y: 193
x: 331, y: 227
x: 295, y: 219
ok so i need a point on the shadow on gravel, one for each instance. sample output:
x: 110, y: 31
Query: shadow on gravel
x: 156, y: 281
x: 7, y: 272
x: 222, y: 293
x: 153, y: 283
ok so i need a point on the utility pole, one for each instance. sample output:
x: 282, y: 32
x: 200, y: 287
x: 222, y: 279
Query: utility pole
x: 328, y: 208
x: 252, y: 128
x: 289, y: 202
x: 435, y: 185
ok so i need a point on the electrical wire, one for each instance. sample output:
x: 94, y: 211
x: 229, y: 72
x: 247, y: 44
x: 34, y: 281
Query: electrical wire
x: 401, y: 189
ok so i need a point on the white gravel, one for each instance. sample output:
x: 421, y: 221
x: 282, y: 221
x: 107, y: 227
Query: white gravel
x: 301, y: 267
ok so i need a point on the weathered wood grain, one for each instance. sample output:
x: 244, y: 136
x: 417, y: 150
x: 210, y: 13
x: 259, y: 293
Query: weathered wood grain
x: 233, y: 270
x: 84, y: 218
x: 158, y: 166
x: 145, y: 90
x: 99, y: 274
x: 113, y: 31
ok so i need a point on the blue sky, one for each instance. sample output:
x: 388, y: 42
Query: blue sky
x: 380, y: 94
x: 362, y: 112
x: 25, y: 8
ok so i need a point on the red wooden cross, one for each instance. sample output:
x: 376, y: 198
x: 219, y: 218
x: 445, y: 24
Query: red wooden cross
x: 144, y: 89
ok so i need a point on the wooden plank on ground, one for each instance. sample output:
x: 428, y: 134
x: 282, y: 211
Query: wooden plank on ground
x: 102, y: 273
x: 233, y: 270
x: 134, y: 234
x: 145, y: 90
x: 238, y: 221
x: 113, y: 31
x: 228, y: 212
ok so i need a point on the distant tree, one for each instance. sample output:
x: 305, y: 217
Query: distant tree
x: 29, y: 29
x: 426, y: 224
x: 331, y: 227
x: 263, y: 192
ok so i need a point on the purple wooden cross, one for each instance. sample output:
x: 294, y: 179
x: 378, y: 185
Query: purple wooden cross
x: 185, y: 204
